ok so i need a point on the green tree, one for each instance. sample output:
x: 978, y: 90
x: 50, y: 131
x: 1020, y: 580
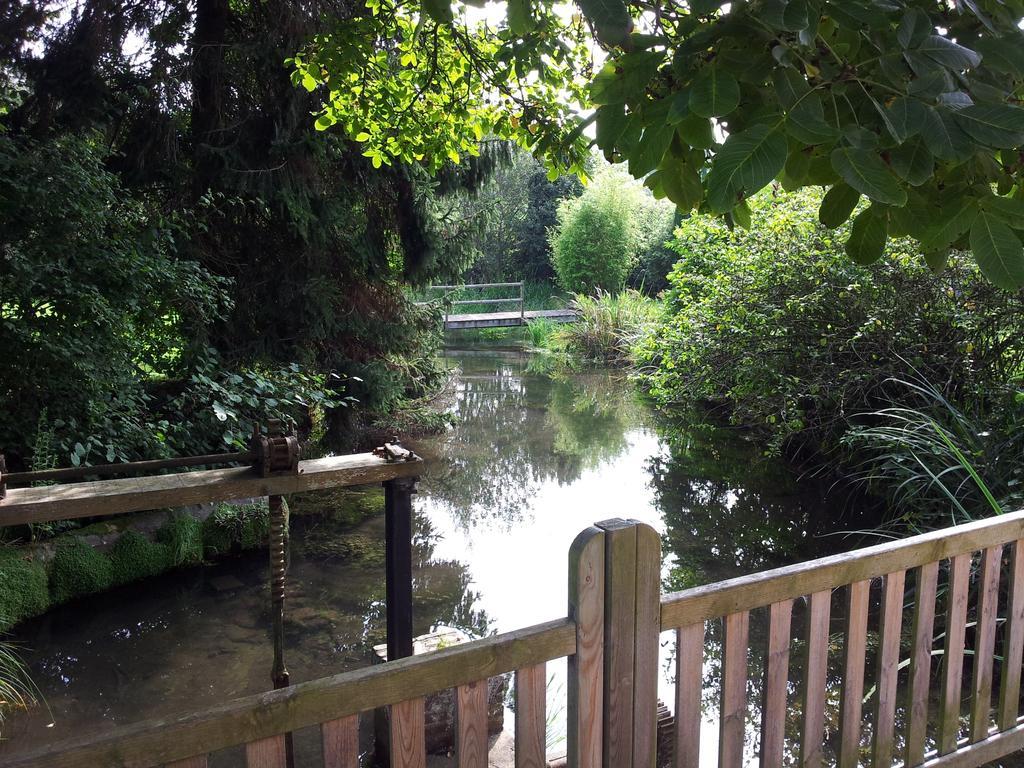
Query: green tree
x: 910, y: 105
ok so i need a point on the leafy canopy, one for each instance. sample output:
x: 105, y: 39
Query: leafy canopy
x: 912, y: 105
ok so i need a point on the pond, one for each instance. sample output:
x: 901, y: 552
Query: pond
x: 535, y: 456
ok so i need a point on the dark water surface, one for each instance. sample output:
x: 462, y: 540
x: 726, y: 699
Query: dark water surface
x: 534, y: 458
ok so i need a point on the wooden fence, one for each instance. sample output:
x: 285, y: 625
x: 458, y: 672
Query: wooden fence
x: 610, y: 636
x: 449, y: 289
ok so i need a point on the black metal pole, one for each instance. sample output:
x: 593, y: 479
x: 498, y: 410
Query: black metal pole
x: 398, y: 548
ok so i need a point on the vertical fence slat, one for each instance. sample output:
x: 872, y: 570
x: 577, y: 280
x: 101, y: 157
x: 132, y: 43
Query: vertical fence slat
x: 953, y: 653
x: 816, y: 668
x: 985, y: 642
x: 471, y: 724
x: 854, y: 650
x: 1013, y: 642
x: 531, y: 717
x: 586, y: 666
x: 267, y: 753
x: 776, y: 685
x: 888, y: 669
x: 921, y: 662
x: 689, y: 684
x: 734, y: 690
x: 408, y: 735
x: 199, y: 761
x: 645, y: 663
x: 619, y: 633
x: 340, y: 739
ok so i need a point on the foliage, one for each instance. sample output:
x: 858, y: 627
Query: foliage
x: 774, y: 325
x: 912, y: 105
x: 608, y: 327
x: 599, y: 236
x: 182, y: 535
x: 23, y: 586
x: 939, y: 465
x: 76, y: 570
x: 541, y: 332
x: 235, y: 526
x: 17, y: 691
x: 135, y: 557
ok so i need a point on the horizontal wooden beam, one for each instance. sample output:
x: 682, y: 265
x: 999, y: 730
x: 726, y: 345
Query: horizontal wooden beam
x: 474, y: 285
x: 135, y: 494
x: 156, y: 742
x: 745, y: 593
x: 968, y: 755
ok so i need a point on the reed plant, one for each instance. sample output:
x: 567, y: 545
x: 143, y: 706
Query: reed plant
x: 608, y: 326
x: 17, y: 691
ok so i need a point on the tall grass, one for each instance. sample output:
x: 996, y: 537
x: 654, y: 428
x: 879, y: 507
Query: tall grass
x: 609, y: 325
x: 938, y: 465
x: 17, y: 691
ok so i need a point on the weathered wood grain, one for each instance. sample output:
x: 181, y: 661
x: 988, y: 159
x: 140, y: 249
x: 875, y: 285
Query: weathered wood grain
x: 531, y: 717
x: 926, y: 579
x: 980, y: 753
x: 1013, y: 642
x: 953, y: 652
x: 852, y: 696
x: 408, y: 735
x: 645, y: 662
x: 776, y: 685
x: 756, y: 590
x: 888, y: 669
x: 985, y: 643
x: 734, y: 690
x: 689, y: 682
x: 471, y: 724
x: 191, y: 762
x: 586, y: 664
x: 813, y: 735
x: 340, y: 740
x: 267, y: 753
x: 135, y: 494
x: 159, y: 741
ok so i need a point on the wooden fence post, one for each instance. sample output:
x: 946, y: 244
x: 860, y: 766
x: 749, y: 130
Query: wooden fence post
x: 586, y: 666
x: 398, y: 565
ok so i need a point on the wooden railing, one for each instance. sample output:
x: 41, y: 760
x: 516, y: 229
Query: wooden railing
x: 520, y: 299
x: 611, y: 638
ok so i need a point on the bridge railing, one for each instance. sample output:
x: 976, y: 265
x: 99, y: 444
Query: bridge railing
x: 611, y: 636
x: 457, y: 290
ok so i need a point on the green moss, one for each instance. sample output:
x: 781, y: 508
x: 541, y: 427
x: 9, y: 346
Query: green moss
x: 183, y: 535
x: 23, y: 586
x: 135, y: 557
x: 78, y: 569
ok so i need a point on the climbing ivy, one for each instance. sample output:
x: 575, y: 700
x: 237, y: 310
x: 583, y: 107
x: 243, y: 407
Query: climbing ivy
x: 912, y: 105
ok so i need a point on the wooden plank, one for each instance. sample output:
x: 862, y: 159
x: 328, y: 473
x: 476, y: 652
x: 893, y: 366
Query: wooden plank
x: 981, y: 753
x: 854, y: 651
x: 134, y: 494
x: 408, y: 735
x: 888, y: 669
x: 531, y: 717
x: 158, y: 741
x: 267, y: 753
x: 926, y: 579
x: 471, y: 724
x: 585, y: 695
x: 1013, y: 642
x: 645, y: 662
x: 619, y: 640
x: 689, y: 685
x: 191, y: 762
x: 340, y: 740
x: 734, y: 690
x: 776, y: 685
x: 953, y: 652
x: 985, y: 643
x: 748, y: 592
x: 816, y: 668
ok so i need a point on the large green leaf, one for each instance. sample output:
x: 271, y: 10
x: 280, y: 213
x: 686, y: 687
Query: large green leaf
x: 625, y: 80
x: 805, y: 122
x: 905, y: 116
x: 439, y: 10
x: 520, y: 19
x: 944, y: 137
x: 914, y: 27
x: 610, y: 18
x: 714, y: 93
x: 1010, y: 210
x: 696, y: 131
x: 611, y: 122
x: 951, y: 221
x: 944, y: 51
x: 913, y: 162
x: 746, y: 162
x: 998, y: 251
x: 652, y: 147
x: 996, y: 125
x: 1003, y: 54
x: 682, y: 185
x: 864, y: 170
x: 837, y: 205
x: 866, y: 243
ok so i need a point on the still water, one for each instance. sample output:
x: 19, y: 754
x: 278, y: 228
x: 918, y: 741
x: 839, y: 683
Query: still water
x: 535, y: 457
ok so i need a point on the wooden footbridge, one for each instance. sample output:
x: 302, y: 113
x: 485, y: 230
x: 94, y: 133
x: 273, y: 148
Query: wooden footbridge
x: 941, y: 689
x: 507, y: 318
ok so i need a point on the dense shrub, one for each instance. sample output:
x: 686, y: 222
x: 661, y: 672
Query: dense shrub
x: 135, y: 557
x: 23, y: 586
x: 777, y: 326
x: 608, y: 327
x: 183, y: 537
x: 78, y: 569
